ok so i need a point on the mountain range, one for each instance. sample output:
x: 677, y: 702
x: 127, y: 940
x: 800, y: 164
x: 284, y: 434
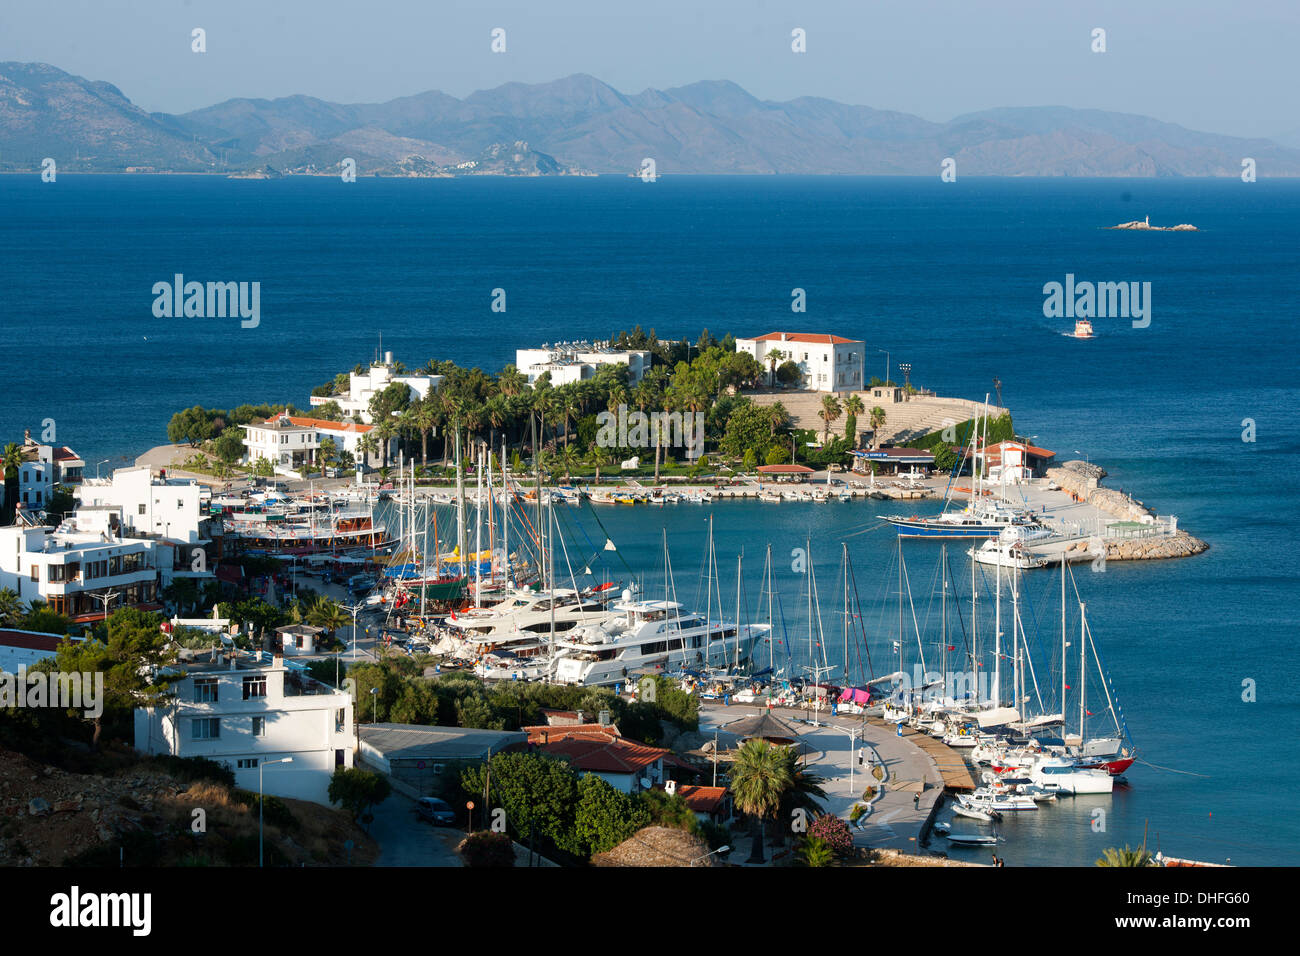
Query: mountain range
x: 579, y: 124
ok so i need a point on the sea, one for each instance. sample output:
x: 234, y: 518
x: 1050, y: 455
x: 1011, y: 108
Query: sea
x: 1193, y: 413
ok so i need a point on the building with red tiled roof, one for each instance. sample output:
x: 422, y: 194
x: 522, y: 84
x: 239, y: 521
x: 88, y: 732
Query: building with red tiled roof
x: 623, y: 764
x: 544, y: 733
x: 1014, y: 461
x: 828, y: 363
x: 707, y: 803
x: 291, y: 441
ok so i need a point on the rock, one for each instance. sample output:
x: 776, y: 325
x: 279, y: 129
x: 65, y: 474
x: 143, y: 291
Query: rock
x: 67, y: 806
x: 37, y: 806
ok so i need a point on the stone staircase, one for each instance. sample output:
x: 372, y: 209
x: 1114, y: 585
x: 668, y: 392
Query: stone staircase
x: 904, y: 421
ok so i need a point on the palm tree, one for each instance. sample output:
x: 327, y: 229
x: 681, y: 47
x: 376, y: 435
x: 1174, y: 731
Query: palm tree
x: 511, y: 381
x: 600, y: 458
x: 760, y: 777
x: 1125, y: 857
x: 569, y: 459
x: 852, y: 409
x: 424, y: 419
x: 12, y: 461
x: 777, y: 418
x: 328, y: 450
x: 830, y: 411
x: 774, y: 358
x: 804, y: 793
x: 368, y: 445
x: 877, y: 423
x: 11, y: 608
x: 325, y: 614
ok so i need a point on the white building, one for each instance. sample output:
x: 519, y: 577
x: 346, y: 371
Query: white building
x: 80, y: 573
x: 170, y: 507
x: 26, y: 648
x: 829, y: 363
x: 43, y: 467
x: 291, y: 441
x: 576, y: 361
x: 243, y: 714
x: 362, y: 388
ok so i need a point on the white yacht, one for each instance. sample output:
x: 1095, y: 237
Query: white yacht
x: 1070, y: 777
x: 641, y: 636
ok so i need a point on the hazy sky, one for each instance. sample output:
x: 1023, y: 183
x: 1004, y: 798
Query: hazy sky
x: 1227, y: 66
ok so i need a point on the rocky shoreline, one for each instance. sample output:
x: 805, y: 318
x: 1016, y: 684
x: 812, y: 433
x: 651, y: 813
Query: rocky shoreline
x: 1082, y: 480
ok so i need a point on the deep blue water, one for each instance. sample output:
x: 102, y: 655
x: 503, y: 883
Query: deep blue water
x: 947, y: 277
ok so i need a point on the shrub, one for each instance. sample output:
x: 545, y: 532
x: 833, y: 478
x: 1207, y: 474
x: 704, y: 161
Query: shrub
x: 814, y: 851
x: 834, y: 832
x: 486, y: 848
x: 194, y: 769
x: 274, y: 810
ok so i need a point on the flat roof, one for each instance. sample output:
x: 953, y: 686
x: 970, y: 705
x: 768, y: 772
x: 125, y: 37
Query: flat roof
x: 415, y: 741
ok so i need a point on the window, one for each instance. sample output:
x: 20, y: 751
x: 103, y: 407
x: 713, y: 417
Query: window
x: 140, y: 506
x: 205, y: 690
x: 340, y: 719
x: 36, y: 573
x: 249, y: 763
x: 205, y: 728
x: 254, y: 686
x: 259, y: 726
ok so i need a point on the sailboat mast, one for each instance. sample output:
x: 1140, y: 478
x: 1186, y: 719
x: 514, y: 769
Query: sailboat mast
x: 844, y: 555
x: 739, y: 559
x: 460, y: 507
x: 505, y: 515
x: 771, y: 627
x: 943, y: 609
x: 1063, y: 641
x: 708, y: 599
x: 1083, y: 670
x: 997, y: 639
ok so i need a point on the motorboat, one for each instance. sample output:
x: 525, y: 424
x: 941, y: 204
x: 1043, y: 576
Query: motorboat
x: 973, y: 839
x: 1070, y: 777
x: 975, y: 813
x: 986, y: 799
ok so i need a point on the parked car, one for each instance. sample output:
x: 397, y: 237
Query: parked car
x: 435, y: 811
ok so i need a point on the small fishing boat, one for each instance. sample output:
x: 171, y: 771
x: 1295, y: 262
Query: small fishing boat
x: 973, y: 839
x: 975, y: 813
x: 770, y: 497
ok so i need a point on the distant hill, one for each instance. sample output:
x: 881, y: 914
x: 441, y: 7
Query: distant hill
x: 579, y: 124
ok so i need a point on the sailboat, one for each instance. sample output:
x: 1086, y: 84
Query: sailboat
x: 981, y: 518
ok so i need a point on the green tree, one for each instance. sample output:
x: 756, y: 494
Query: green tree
x: 358, y: 790
x: 229, y: 445
x: 604, y: 817
x: 760, y: 777
x: 263, y: 468
x: 11, y: 608
x: 539, y: 795
x: 132, y: 655
x: 788, y: 373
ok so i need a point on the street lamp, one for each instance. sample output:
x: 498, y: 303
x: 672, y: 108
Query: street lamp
x: 721, y: 849
x: 374, y: 706
x: 853, y: 746
x: 97, y: 464
x: 906, y: 369
x: 353, y: 608
x: 1085, y: 457
x: 260, y: 800
x: 887, y: 365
